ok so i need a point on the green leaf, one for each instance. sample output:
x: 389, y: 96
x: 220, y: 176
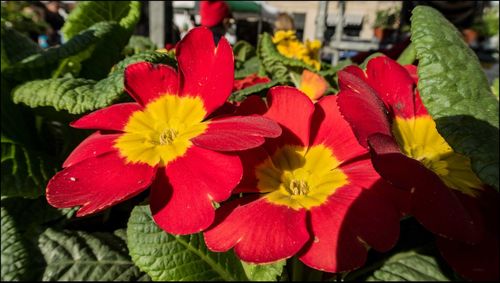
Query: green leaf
x: 277, y: 65
x: 455, y: 90
x: 16, y: 258
x: 242, y: 94
x: 494, y: 87
x: 108, y: 50
x: 80, y: 256
x: 25, y: 172
x: 138, y: 44
x: 78, y: 96
x: 248, y: 67
x: 408, y: 56
x: 264, y: 272
x: 409, y: 266
x: 88, y: 13
x: 176, y: 258
x: 243, y: 50
x: 42, y: 65
x: 16, y: 46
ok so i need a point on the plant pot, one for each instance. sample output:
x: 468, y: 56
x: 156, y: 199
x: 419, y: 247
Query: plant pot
x: 379, y: 33
x: 383, y: 34
x: 470, y: 36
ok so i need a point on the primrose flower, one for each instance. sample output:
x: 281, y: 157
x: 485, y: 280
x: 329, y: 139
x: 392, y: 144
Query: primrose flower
x: 445, y: 195
x: 289, y: 46
x: 165, y: 139
x: 312, y: 192
x: 388, y: 116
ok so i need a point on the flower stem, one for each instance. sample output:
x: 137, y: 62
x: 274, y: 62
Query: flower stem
x: 297, y: 269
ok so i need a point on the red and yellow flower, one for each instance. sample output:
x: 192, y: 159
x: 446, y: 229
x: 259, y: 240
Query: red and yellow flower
x: 312, y: 192
x: 166, y: 139
x: 384, y: 107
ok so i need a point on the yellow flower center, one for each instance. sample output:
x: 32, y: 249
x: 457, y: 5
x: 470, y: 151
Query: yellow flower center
x: 419, y: 139
x: 300, y: 177
x: 162, y: 131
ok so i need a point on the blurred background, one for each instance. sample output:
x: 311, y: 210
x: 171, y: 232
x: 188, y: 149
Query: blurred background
x: 346, y: 29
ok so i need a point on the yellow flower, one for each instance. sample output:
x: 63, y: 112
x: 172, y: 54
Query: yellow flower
x: 287, y: 44
x: 284, y: 35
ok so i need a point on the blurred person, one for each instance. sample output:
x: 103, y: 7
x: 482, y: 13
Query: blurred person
x: 215, y: 15
x: 55, y: 20
x: 284, y: 22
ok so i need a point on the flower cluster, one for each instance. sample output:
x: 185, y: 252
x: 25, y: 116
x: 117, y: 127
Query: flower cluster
x: 289, y: 46
x: 322, y: 178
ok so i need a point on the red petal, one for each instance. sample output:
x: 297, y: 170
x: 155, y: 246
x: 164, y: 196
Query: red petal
x: 250, y: 160
x: 251, y: 105
x: 374, y: 218
x: 361, y: 172
x: 237, y: 133
x: 412, y: 70
x: 335, y: 247
x: 261, y: 232
x: 183, y: 203
x: 146, y: 82
x: 394, y: 85
x: 293, y: 111
x: 93, y: 146
x: 206, y: 71
x: 477, y: 262
x: 113, y: 117
x: 434, y: 205
x: 361, y: 107
x: 98, y: 183
x: 332, y: 130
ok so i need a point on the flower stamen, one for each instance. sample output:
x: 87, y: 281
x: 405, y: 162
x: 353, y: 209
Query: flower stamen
x: 298, y: 187
x: 168, y: 136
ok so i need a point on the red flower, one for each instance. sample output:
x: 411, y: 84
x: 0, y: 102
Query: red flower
x: 165, y: 140
x: 248, y: 81
x: 478, y: 262
x: 388, y: 116
x: 311, y: 192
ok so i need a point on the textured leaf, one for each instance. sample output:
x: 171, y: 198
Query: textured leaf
x: 30, y: 215
x: 78, y: 96
x: 80, y: 256
x: 16, y: 46
x: 408, y: 56
x: 108, y: 50
x: 456, y: 92
x: 409, y: 266
x: 264, y: 272
x: 494, y: 87
x: 247, y: 67
x: 43, y: 64
x: 277, y: 65
x: 243, y: 51
x: 176, y: 258
x: 88, y: 13
x: 138, y: 44
x: 24, y: 172
x: 16, y: 259
x: 240, y: 95
x: 245, y: 60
